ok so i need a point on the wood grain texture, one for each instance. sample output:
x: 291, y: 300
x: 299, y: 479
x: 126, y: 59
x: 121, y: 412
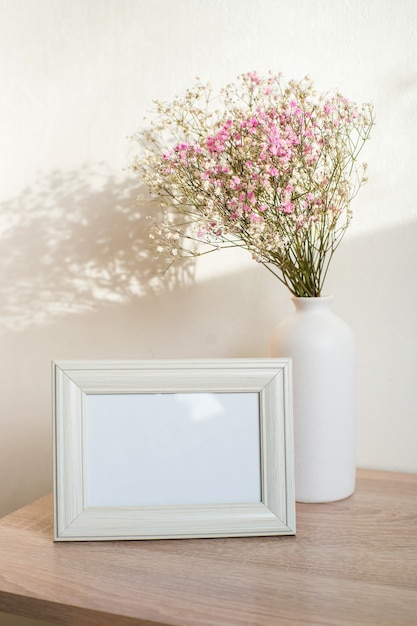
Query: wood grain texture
x: 352, y: 562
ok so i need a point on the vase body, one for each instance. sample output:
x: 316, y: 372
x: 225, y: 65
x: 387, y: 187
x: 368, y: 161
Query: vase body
x: 322, y: 349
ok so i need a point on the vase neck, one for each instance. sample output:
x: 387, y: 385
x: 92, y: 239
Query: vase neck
x: 312, y: 305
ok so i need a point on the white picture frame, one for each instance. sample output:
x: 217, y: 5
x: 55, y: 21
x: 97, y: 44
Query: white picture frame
x: 170, y: 449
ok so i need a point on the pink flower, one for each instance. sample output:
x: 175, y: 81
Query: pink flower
x: 251, y: 197
x: 253, y: 76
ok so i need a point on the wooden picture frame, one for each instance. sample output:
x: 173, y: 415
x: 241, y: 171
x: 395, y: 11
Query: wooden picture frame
x: 166, y: 449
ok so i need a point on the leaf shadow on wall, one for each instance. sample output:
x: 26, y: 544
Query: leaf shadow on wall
x: 72, y: 241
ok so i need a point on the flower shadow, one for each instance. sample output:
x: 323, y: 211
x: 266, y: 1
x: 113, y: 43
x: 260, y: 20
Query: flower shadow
x: 74, y: 240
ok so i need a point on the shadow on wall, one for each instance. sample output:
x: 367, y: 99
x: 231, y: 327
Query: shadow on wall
x: 77, y: 281
x: 74, y: 240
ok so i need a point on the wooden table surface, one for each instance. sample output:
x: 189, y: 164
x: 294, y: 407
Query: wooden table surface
x: 352, y: 562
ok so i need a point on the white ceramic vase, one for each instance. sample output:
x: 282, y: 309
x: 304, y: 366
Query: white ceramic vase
x: 322, y: 349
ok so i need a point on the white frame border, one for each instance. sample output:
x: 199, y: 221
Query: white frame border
x: 271, y: 378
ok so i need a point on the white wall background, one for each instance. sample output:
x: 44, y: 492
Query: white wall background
x: 76, y: 77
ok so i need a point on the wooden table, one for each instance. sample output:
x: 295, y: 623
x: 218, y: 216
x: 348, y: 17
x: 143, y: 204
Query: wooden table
x: 352, y: 562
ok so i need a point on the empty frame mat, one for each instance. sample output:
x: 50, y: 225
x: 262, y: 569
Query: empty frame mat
x: 160, y: 449
x: 172, y: 449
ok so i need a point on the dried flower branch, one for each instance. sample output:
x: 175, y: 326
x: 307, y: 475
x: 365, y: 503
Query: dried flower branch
x: 265, y: 166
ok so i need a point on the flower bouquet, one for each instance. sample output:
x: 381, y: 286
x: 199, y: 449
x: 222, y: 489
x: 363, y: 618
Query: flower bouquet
x: 266, y: 166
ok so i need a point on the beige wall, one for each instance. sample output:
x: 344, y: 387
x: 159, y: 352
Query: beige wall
x: 76, y: 78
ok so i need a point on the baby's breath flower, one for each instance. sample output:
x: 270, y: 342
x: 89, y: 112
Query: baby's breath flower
x: 272, y: 170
